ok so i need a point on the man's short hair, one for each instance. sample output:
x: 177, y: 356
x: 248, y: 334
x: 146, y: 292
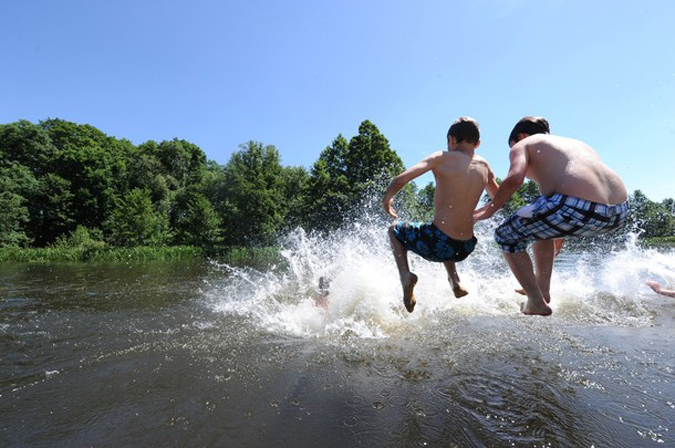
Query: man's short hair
x: 529, y: 126
x: 465, y: 129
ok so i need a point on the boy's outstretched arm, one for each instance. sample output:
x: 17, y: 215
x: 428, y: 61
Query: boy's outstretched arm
x: 402, y: 180
x: 492, y: 185
x: 509, y: 185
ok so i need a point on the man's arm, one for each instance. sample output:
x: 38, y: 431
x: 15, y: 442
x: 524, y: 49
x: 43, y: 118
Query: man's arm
x: 402, y: 180
x: 513, y: 180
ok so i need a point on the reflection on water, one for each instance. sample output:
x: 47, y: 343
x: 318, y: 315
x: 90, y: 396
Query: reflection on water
x: 216, y: 355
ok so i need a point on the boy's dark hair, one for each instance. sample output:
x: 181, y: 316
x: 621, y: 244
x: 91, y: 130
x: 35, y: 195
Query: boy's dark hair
x: 465, y: 129
x: 529, y: 126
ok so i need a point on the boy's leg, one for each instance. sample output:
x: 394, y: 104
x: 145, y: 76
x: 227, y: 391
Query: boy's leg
x: 453, y: 278
x: 521, y: 266
x: 544, y: 253
x: 408, y: 279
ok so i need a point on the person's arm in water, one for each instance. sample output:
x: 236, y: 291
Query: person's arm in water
x: 402, y: 180
x: 513, y: 180
x: 659, y: 290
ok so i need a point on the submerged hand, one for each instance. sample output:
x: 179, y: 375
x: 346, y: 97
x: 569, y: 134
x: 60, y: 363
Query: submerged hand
x: 655, y: 286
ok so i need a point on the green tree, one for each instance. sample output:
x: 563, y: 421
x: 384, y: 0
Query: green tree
x: 328, y: 195
x: 180, y: 159
x: 93, y: 163
x: 294, y: 183
x: 425, y: 202
x: 253, y: 196
x: 51, y: 210
x: 370, y: 160
x: 25, y: 144
x: 13, y: 214
x: 136, y: 222
x: 652, y: 218
x: 194, y: 221
x: 349, y: 176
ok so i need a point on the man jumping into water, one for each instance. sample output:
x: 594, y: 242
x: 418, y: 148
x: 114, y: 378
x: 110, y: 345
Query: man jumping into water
x: 581, y: 196
x: 461, y: 176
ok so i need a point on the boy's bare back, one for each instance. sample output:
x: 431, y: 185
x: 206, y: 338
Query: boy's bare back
x: 460, y: 181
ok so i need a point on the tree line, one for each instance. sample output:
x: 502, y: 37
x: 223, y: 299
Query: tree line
x: 62, y: 182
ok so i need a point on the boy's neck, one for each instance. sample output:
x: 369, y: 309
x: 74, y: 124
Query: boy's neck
x: 466, y: 148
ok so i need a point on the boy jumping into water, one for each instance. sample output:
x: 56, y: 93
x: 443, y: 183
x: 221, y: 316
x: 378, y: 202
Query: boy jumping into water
x: 580, y: 196
x: 461, y: 176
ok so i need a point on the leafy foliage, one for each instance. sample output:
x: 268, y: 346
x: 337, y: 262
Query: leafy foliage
x: 347, y: 174
x: 135, y: 222
x: 70, y: 187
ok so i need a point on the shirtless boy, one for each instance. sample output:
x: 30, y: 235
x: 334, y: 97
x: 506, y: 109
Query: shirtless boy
x: 581, y: 196
x: 461, y: 176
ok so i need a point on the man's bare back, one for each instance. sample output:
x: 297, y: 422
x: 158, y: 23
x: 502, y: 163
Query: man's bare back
x: 581, y: 197
x: 571, y: 167
x: 460, y: 181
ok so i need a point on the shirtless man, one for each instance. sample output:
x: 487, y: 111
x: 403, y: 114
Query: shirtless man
x: 581, y: 196
x: 461, y: 176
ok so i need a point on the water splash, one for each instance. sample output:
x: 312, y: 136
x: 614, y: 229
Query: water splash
x: 595, y: 285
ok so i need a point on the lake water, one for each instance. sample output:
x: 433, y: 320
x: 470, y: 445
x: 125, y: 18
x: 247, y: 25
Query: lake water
x: 217, y: 355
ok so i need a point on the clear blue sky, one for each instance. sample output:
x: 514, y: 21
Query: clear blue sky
x: 295, y: 74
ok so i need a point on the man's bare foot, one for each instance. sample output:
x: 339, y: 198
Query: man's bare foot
x: 521, y: 291
x: 527, y: 308
x: 408, y: 295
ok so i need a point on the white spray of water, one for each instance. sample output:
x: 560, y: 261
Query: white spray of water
x: 365, y: 297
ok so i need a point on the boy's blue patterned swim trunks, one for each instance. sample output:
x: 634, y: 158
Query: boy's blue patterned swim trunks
x: 558, y: 216
x: 427, y: 241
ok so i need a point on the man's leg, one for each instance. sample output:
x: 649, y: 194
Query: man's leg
x: 408, y: 279
x: 521, y: 266
x: 453, y: 278
x: 544, y: 253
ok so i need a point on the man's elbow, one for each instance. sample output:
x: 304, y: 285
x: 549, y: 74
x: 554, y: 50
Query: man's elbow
x: 514, y: 181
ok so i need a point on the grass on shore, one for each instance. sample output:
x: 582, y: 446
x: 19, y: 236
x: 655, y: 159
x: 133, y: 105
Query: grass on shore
x: 239, y: 255
x: 99, y: 254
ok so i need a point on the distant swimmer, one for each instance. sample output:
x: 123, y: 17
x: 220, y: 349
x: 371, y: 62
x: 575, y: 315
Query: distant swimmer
x: 581, y: 196
x: 461, y: 176
x: 659, y: 290
x: 321, y: 294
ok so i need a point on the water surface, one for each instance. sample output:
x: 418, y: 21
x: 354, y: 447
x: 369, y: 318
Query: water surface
x: 216, y: 355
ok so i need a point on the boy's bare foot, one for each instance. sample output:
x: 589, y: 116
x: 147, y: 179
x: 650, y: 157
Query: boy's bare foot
x: 457, y: 288
x: 527, y: 308
x: 408, y: 295
x: 459, y: 291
